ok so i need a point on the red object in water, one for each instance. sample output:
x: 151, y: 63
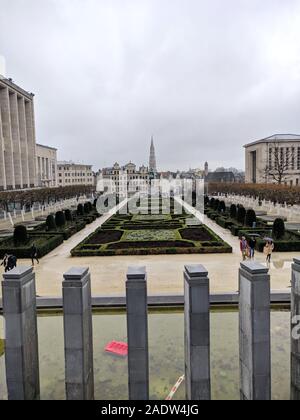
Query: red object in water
x: 118, y: 348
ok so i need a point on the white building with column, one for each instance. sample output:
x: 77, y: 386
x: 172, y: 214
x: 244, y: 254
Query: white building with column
x: 46, y: 166
x: 265, y: 158
x: 17, y: 137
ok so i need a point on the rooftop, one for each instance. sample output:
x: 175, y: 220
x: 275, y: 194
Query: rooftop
x: 10, y: 83
x: 46, y: 147
x: 276, y: 138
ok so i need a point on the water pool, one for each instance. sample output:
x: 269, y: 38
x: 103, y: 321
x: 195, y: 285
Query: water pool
x: 166, y: 352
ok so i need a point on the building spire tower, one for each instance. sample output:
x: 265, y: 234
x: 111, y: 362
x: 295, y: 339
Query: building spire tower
x: 152, y: 160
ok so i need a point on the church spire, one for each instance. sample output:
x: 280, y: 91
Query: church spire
x: 152, y: 160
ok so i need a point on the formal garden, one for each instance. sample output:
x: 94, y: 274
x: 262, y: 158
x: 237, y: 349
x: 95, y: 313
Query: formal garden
x: 151, y: 234
x: 245, y: 222
x: 49, y: 234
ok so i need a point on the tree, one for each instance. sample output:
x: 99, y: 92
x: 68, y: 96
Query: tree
x: 50, y: 223
x: 250, y: 218
x: 241, y: 214
x: 278, y: 229
x: 281, y: 160
x: 233, y: 211
x: 60, y: 219
x: 20, y: 235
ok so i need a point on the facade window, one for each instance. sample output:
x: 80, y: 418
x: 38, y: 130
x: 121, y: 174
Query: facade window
x: 270, y: 158
x: 293, y: 159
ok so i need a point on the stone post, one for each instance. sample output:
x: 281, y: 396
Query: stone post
x: 197, y: 333
x: 78, y: 333
x: 254, y: 331
x: 295, y: 331
x: 21, y: 336
x: 137, y: 332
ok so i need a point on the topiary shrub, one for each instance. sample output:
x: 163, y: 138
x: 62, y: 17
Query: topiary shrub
x: 206, y: 200
x: 50, y: 222
x: 278, y: 229
x: 222, y: 207
x: 60, y: 219
x: 80, y: 211
x: 233, y: 211
x: 86, y: 208
x: 250, y: 218
x: 212, y: 202
x: 20, y: 235
x: 241, y: 214
x: 68, y: 215
x: 216, y: 204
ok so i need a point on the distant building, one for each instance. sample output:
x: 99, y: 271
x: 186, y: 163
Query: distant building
x: 125, y: 179
x: 264, y: 156
x: 70, y: 174
x: 46, y: 166
x: 220, y: 177
x: 17, y: 137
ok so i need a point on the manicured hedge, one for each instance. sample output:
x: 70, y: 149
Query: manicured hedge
x: 44, y: 244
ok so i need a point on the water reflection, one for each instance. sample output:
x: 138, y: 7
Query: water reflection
x: 166, y: 356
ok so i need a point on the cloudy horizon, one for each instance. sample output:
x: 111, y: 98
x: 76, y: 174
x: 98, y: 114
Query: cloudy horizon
x: 203, y: 77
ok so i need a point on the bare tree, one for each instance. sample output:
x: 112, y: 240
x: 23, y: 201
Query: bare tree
x: 280, y: 161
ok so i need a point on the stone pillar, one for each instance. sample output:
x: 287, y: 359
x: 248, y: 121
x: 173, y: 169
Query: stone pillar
x: 21, y: 337
x: 2, y: 161
x: 30, y: 142
x: 7, y: 134
x: 78, y: 333
x: 14, y: 115
x: 137, y: 332
x: 295, y: 337
x: 197, y: 333
x: 23, y: 143
x: 254, y: 330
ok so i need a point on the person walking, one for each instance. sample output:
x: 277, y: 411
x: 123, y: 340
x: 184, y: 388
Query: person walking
x: 269, y: 248
x: 243, y: 247
x: 34, y: 254
x: 252, y: 244
x: 11, y: 262
x: 4, y: 262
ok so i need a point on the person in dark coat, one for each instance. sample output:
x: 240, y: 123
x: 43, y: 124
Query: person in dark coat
x: 11, y: 262
x: 252, y: 244
x: 4, y: 262
x: 34, y: 254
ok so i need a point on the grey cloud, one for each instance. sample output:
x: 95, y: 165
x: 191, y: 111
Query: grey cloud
x: 204, y: 77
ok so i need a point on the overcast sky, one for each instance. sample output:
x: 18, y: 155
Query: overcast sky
x: 204, y: 77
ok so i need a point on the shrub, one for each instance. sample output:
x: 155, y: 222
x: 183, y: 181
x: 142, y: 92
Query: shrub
x: 233, y: 211
x: 216, y: 204
x: 20, y: 235
x: 86, y: 208
x: 278, y: 229
x: 250, y: 218
x: 60, y: 219
x: 241, y: 214
x: 80, y: 210
x: 206, y: 200
x: 50, y: 222
x: 212, y: 202
x: 68, y: 215
x: 222, y: 207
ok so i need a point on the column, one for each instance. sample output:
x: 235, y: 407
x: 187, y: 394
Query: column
x: 295, y: 336
x: 14, y: 115
x: 8, y: 146
x: 137, y: 333
x: 23, y: 143
x: 254, y: 331
x: 21, y: 337
x: 78, y: 334
x: 2, y: 162
x: 197, y: 333
x: 30, y: 142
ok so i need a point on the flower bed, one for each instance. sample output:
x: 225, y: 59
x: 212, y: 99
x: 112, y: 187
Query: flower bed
x: 148, y: 235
